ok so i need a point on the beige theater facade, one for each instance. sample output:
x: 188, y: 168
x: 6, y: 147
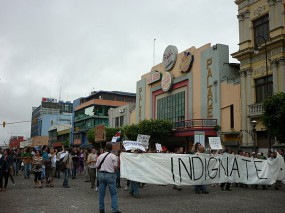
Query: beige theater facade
x: 198, y: 90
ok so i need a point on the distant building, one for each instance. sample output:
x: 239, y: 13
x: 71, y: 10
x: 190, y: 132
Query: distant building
x: 50, y: 112
x: 14, y: 142
x: 120, y: 116
x: 93, y: 110
x: 59, y: 135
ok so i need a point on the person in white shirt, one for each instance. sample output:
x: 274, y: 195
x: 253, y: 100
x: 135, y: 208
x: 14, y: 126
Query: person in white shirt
x: 91, y: 162
x: 52, y: 157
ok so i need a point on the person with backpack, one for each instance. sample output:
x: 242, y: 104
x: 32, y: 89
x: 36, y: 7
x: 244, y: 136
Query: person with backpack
x: 66, y: 165
x: 107, y: 165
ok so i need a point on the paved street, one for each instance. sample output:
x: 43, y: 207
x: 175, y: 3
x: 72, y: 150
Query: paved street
x: 23, y: 198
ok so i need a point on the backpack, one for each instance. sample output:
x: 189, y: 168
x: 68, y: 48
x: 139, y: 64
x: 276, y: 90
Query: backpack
x: 61, y: 165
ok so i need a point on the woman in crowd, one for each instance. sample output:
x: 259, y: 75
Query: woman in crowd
x: 6, y: 163
x: 37, y: 169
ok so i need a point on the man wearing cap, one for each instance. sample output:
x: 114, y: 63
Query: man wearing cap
x: 106, y: 166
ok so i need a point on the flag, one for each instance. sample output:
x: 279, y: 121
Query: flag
x: 118, y: 134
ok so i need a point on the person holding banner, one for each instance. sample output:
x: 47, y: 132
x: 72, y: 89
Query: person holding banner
x: 106, y: 165
x: 134, y: 186
x: 200, y: 188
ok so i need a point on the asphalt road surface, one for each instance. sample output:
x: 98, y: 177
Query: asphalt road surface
x: 80, y: 198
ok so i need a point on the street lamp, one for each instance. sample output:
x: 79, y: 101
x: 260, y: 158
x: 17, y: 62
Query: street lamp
x: 253, y: 123
x: 256, y: 51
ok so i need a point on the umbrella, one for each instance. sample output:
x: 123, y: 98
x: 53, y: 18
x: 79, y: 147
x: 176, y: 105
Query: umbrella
x: 86, y: 146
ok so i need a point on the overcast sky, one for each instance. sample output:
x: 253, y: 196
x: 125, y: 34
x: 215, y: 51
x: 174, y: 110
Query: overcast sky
x: 87, y: 45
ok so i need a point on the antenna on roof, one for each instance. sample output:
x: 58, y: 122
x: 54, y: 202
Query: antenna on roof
x: 60, y: 91
x: 154, y: 51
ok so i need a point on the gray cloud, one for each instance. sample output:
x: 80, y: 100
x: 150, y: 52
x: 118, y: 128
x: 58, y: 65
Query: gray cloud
x: 94, y: 45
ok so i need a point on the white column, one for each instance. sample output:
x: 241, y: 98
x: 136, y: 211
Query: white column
x: 246, y: 25
x: 275, y: 76
x: 243, y: 106
x: 282, y: 73
x: 249, y: 86
x: 241, y: 27
x: 249, y: 102
x: 279, y: 13
x: 271, y: 14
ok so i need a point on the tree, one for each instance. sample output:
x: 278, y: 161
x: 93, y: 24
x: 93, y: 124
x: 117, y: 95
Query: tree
x: 91, y: 136
x: 158, y: 130
x: 131, y: 132
x: 274, y: 116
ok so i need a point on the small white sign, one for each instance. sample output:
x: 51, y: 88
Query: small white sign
x: 114, y: 139
x: 144, y: 140
x: 215, y: 143
x: 132, y: 145
x: 158, y: 147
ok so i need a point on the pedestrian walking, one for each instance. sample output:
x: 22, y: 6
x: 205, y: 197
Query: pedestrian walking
x: 6, y: 163
x: 106, y: 164
x: 37, y: 169
x: 75, y: 160
x: 91, y: 162
x: 27, y: 160
x: 68, y: 165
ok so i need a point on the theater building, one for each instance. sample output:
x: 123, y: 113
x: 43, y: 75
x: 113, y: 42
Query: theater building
x: 198, y: 90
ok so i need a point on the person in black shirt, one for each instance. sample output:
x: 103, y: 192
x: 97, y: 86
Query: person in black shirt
x: 75, y: 154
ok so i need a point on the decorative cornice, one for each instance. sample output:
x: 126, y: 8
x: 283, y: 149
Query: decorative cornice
x: 274, y: 63
x: 249, y: 71
x: 271, y: 2
x: 246, y: 14
x: 240, y: 17
x: 281, y: 61
x: 259, y: 10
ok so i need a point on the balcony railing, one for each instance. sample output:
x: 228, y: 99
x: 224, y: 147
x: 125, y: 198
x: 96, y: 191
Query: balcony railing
x: 255, y: 110
x: 194, y: 123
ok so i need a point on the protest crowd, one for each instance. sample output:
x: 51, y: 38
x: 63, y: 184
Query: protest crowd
x: 50, y: 167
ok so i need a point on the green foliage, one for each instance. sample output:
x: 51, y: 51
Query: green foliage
x: 274, y: 116
x: 110, y: 132
x: 158, y: 130
x: 91, y: 136
x: 131, y: 132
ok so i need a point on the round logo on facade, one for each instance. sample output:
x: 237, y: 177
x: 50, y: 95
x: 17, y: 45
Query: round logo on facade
x: 186, y: 62
x: 169, y: 57
x: 166, y: 81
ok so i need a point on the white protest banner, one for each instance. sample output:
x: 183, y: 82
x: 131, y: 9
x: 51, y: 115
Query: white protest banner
x: 144, y: 140
x: 114, y: 139
x: 186, y: 169
x: 158, y: 147
x: 215, y: 143
x: 129, y: 145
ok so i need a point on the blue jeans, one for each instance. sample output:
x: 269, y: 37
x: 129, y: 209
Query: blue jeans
x: 134, y: 188
x: 66, y: 176
x: 199, y: 188
x: 108, y: 179
x: 75, y: 165
x: 16, y: 167
x: 27, y: 170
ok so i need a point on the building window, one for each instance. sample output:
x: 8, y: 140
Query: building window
x: 117, y: 122
x: 121, y: 121
x: 172, y: 107
x: 232, y: 122
x: 261, y: 28
x: 263, y: 88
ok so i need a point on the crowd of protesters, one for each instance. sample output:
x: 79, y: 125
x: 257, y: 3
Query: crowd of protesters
x: 47, y: 165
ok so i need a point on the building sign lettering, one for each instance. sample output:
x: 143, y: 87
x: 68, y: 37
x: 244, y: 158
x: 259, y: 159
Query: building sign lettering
x: 154, y: 77
x: 166, y: 81
x: 140, y: 103
x: 209, y: 89
x: 169, y: 57
x: 186, y: 62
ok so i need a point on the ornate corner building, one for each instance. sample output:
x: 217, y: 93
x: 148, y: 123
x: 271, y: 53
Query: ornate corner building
x: 262, y: 69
